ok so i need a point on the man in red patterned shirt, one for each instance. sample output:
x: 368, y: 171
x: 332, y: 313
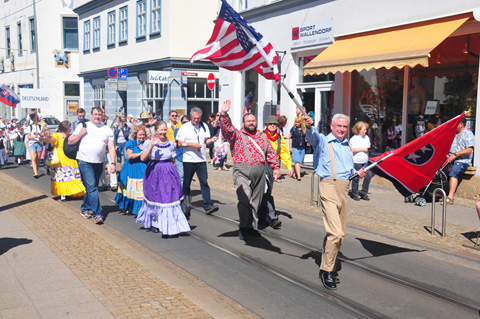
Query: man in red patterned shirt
x: 251, y: 151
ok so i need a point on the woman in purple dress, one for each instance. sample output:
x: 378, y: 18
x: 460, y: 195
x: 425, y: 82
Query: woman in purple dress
x: 161, y: 210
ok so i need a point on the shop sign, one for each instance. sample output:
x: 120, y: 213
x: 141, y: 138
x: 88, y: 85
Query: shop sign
x: 310, y: 34
x: 158, y: 77
x: 72, y: 106
x: 189, y: 74
x: 35, y: 98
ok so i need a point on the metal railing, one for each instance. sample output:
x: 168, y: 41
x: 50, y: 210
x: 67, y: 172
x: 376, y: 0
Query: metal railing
x: 444, y: 215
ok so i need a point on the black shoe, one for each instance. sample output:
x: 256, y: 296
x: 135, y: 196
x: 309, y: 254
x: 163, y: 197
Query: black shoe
x: 244, y: 232
x: 210, y: 209
x: 328, y: 279
x: 357, y: 198
x: 275, y: 223
x: 253, y: 232
x: 114, y: 189
x: 241, y: 234
x: 364, y: 197
x: 154, y: 230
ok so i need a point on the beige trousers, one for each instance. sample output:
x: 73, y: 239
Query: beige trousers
x: 333, y: 198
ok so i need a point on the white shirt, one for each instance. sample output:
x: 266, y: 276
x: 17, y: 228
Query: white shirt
x: 92, y: 145
x: 358, y: 141
x: 32, y: 129
x: 193, y: 134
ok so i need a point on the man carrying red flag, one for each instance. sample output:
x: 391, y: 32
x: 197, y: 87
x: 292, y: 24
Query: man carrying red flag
x: 333, y: 161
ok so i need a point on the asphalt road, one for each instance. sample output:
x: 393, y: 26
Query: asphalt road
x: 276, y: 276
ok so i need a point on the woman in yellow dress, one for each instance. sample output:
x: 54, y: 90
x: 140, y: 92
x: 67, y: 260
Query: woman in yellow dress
x: 65, y: 175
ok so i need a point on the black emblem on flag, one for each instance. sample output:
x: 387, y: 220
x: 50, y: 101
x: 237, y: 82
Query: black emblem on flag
x: 421, y: 156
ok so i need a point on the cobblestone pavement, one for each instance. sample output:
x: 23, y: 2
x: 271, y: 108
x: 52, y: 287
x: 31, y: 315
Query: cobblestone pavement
x: 125, y: 287
x: 385, y: 214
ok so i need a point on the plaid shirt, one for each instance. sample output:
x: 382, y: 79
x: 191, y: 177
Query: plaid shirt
x: 234, y: 137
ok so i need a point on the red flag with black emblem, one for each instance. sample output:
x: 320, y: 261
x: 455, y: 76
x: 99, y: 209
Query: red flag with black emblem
x: 413, y: 165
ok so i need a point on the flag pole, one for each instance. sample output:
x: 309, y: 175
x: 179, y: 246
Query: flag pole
x: 372, y: 165
x: 264, y: 56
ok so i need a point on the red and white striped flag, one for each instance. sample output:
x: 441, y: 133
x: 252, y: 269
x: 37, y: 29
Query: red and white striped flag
x: 236, y: 46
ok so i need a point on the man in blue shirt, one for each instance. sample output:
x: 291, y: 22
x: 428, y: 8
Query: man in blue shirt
x: 333, y: 162
x: 80, y: 119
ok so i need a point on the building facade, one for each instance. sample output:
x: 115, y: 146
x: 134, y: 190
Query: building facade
x: 396, y: 64
x: 134, y: 55
x: 39, y: 49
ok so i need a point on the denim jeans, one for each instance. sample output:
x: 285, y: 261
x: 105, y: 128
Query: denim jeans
x: 121, y: 151
x: 91, y: 173
x: 201, y: 169
x: 356, y: 180
x: 179, y: 166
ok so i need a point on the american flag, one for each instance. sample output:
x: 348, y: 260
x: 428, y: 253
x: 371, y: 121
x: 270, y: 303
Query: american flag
x: 233, y: 46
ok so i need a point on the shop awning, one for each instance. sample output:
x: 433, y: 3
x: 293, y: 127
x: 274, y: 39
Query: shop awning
x: 395, y: 47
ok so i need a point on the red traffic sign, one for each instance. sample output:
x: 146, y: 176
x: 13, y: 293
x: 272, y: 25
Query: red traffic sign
x: 211, y: 81
x: 112, y: 72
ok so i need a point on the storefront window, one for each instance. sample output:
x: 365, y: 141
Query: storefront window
x: 153, y: 97
x: 251, y: 97
x: 378, y: 100
x: 316, y: 77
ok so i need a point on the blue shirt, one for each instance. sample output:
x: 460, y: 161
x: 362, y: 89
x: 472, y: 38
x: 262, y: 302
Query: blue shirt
x: 343, y: 155
x: 75, y: 124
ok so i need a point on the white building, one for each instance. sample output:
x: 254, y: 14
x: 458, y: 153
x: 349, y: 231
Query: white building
x: 23, y: 65
x: 146, y: 45
x: 367, y: 53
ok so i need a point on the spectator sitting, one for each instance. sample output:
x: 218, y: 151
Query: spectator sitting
x: 461, y: 157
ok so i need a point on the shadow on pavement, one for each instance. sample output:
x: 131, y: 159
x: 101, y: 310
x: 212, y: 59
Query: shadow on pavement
x: 22, y: 202
x: 378, y: 249
x: 107, y: 209
x: 471, y: 236
x: 7, y: 243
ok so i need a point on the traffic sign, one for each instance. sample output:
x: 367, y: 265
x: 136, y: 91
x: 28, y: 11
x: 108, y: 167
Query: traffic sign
x: 211, y: 81
x: 122, y: 85
x: 122, y: 74
x: 112, y: 72
x: 112, y: 84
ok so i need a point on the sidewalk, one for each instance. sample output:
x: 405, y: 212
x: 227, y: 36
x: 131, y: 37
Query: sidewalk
x: 55, y: 264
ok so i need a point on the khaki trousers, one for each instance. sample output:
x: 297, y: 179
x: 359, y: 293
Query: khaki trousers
x: 333, y: 199
x: 249, y: 182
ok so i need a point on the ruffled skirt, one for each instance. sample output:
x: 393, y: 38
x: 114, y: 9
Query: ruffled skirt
x: 162, y: 195
x: 130, y: 191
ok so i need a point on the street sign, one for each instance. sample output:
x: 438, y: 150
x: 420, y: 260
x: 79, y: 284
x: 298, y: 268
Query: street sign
x: 112, y: 84
x: 122, y: 85
x: 122, y: 74
x: 211, y: 81
x: 112, y: 72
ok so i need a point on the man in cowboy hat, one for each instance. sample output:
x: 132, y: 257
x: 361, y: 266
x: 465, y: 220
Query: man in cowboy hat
x: 267, y: 212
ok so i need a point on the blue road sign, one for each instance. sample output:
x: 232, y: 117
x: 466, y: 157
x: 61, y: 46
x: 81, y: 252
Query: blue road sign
x: 123, y: 73
x: 112, y: 72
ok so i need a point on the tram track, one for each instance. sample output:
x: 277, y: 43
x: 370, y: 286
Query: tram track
x: 333, y: 296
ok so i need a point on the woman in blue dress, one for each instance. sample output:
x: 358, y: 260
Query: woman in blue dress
x: 130, y: 191
x: 161, y: 210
